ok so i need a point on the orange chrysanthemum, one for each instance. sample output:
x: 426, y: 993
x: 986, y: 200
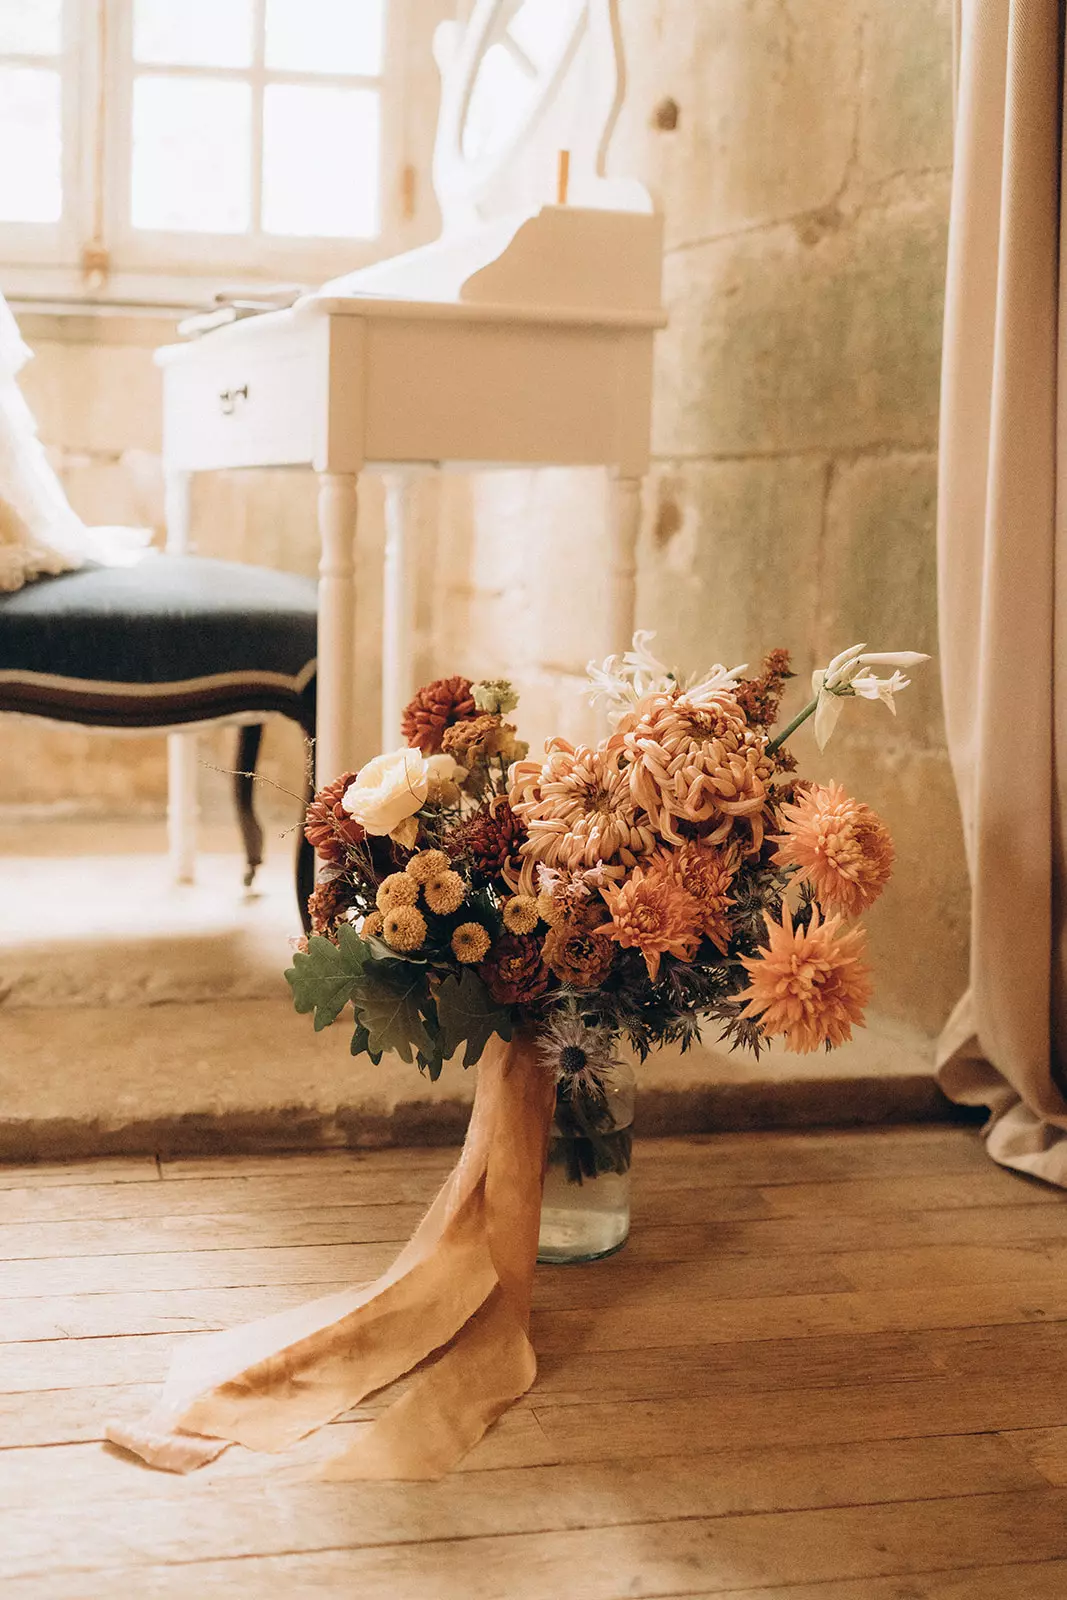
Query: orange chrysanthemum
x: 696, y: 760
x: 842, y: 848
x: 810, y: 985
x: 651, y: 912
x: 578, y: 811
x: 706, y: 873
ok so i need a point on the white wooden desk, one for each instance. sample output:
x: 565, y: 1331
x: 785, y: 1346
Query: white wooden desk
x: 344, y: 385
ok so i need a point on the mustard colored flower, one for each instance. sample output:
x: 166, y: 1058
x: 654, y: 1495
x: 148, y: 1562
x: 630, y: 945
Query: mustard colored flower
x: 396, y: 890
x: 521, y: 914
x: 651, y: 912
x: 404, y: 928
x: 372, y: 925
x: 470, y: 943
x: 427, y: 864
x: 444, y: 893
x: 840, y: 846
x: 810, y: 985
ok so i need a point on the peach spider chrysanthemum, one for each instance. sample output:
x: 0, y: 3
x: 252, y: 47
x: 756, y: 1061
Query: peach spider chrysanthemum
x: 578, y: 812
x: 842, y: 848
x: 651, y: 912
x: 695, y: 759
x: 810, y: 985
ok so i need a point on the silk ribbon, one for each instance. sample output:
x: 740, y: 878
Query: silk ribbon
x: 461, y: 1287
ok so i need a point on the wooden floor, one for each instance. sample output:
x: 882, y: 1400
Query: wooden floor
x: 828, y: 1366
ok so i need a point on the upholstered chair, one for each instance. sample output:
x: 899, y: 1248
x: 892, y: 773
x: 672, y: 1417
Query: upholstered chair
x: 170, y: 642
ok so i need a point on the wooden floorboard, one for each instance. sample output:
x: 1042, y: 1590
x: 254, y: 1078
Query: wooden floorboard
x: 829, y: 1366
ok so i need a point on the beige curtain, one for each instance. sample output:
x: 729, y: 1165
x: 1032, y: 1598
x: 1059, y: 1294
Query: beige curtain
x: 1003, y: 574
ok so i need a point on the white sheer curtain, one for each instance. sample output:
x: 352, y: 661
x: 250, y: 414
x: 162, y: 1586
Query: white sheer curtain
x: 39, y: 532
x: 1003, y: 573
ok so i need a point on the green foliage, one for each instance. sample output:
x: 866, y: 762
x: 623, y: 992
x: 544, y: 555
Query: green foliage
x: 324, y: 978
x: 361, y: 1044
x: 466, y: 1012
x: 389, y: 999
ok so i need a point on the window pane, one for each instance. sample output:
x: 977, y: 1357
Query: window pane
x: 30, y: 27
x: 320, y: 162
x: 191, y: 164
x: 31, y: 185
x: 193, y: 33
x: 325, y: 35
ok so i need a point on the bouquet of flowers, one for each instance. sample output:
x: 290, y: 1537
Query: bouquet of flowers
x: 534, y: 916
x: 677, y: 875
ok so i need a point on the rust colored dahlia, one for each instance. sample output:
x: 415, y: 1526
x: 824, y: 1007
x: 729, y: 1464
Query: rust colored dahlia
x: 841, y: 847
x: 706, y: 872
x: 328, y: 902
x: 579, y: 811
x: 327, y: 825
x: 576, y: 952
x: 487, y: 841
x: 810, y: 985
x: 513, y: 971
x: 696, y: 760
x: 436, y: 707
x: 651, y: 912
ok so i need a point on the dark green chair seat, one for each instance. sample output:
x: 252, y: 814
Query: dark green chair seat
x: 170, y: 641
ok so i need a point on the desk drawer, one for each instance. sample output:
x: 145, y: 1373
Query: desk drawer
x: 241, y: 408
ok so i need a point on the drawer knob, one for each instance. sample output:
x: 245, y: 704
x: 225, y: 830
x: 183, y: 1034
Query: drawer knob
x: 228, y: 399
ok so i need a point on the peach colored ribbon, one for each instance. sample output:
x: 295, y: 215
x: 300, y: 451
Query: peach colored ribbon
x: 461, y: 1286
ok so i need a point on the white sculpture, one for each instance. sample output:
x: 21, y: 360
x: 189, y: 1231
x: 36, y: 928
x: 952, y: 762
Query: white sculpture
x: 40, y: 534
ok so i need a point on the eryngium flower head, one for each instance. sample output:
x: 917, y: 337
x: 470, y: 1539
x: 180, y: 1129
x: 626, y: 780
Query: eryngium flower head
x: 580, y: 1058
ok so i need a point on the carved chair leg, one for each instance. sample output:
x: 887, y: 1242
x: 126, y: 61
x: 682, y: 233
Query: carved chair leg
x: 305, y: 854
x: 248, y: 742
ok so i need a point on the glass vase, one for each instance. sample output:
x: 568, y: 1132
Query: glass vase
x: 585, y: 1209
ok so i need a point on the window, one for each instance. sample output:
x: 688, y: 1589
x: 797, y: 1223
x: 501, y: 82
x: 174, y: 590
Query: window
x: 150, y: 148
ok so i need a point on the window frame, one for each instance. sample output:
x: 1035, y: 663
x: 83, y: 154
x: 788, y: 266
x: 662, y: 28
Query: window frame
x: 53, y: 244
x: 44, y: 261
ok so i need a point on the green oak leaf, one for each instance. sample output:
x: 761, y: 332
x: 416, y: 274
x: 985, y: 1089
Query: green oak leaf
x: 380, y: 951
x: 467, y: 1012
x: 361, y: 1044
x: 323, y: 978
x: 433, y: 1060
x: 389, y: 997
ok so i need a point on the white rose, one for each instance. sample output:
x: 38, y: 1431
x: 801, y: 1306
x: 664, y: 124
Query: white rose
x: 387, y: 791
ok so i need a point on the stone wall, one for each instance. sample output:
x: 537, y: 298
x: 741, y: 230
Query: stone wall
x: 800, y: 151
x: 805, y: 191
x: 804, y: 185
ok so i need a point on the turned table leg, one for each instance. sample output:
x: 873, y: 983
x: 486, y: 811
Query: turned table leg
x: 336, y: 686
x: 622, y: 564
x: 398, y: 600
x: 182, y: 802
